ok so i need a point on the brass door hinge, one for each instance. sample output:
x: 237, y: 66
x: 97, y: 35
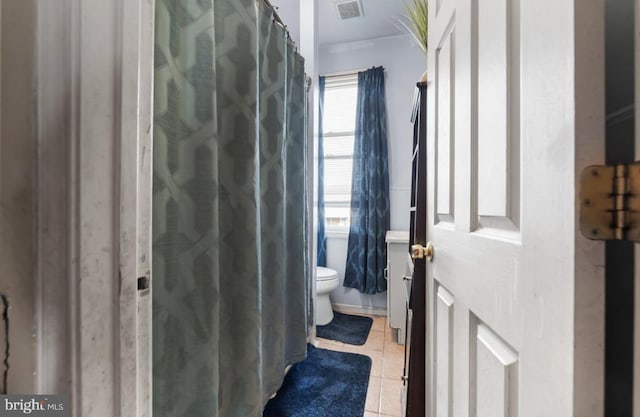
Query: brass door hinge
x: 610, y: 202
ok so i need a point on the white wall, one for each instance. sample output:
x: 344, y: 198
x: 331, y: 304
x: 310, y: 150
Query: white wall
x: 289, y: 12
x: 404, y: 64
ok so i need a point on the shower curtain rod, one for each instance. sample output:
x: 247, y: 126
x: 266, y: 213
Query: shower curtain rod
x: 276, y: 17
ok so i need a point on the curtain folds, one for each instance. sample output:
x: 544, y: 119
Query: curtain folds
x: 366, y: 248
x: 229, y: 221
x: 322, y: 237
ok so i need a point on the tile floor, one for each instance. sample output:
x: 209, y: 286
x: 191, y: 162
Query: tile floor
x: 387, y: 358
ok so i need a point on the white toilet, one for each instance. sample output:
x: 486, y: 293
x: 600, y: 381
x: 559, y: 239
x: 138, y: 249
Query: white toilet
x: 326, y: 281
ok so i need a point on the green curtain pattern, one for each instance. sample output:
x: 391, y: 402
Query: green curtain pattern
x: 229, y: 220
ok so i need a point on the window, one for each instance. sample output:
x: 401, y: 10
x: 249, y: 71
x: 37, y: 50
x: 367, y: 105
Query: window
x: 338, y: 127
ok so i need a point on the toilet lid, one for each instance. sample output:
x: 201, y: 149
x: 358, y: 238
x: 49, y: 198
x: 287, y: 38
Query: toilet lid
x: 324, y: 274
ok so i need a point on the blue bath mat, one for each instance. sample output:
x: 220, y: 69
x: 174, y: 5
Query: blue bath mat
x: 346, y: 328
x: 326, y: 384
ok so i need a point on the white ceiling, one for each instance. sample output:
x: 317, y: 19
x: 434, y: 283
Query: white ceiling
x: 377, y: 22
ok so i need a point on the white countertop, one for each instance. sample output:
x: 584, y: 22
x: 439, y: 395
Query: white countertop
x: 397, y: 236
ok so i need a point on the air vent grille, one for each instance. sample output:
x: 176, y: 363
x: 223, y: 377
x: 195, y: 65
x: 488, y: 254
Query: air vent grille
x: 349, y: 9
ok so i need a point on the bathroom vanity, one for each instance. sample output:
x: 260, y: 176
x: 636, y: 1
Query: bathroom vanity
x: 396, y: 274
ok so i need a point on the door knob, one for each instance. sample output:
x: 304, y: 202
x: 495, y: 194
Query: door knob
x: 420, y: 252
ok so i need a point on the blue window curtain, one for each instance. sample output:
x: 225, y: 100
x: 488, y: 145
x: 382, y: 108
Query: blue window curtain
x: 230, y: 264
x: 366, y: 250
x: 322, y: 236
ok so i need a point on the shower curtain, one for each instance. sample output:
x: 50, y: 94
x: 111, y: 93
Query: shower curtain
x: 230, y: 274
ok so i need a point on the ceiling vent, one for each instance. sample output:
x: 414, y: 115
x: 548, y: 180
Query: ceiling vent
x: 349, y: 9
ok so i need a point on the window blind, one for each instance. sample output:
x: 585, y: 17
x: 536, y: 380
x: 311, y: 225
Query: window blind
x: 339, y: 119
x: 339, y: 114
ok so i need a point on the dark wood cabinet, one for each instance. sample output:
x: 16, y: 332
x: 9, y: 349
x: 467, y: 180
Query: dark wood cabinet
x: 408, y: 321
x: 416, y: 314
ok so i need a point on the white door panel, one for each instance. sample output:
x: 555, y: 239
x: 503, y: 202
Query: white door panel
x: 445, y: 129
x: 443, y: 351
x: 497, y: 48
x: 494, y: 366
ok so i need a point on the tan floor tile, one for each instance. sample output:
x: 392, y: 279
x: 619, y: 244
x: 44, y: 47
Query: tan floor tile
x: 393, y: 346
x: 330, y: 344
x: 370, y: 414
x: 375, y: 341
x: 373, y: 395
x: 394, y: 350
x: 390, y: 397
x: 379, y: 324
x: 347, y: 347
x: 392, y: 365
x: 389, y: 334
x: 376, y: 362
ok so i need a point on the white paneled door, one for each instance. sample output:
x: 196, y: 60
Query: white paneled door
x: 515, y: 294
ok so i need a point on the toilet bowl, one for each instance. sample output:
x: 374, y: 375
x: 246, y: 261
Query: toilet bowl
x: 326, y: 281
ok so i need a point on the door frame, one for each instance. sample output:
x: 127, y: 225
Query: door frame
x: 589, y: 149
x: 94, y: 75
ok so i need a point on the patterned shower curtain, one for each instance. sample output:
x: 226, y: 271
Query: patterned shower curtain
x: 366, y: 248
x: 229, y: 220
x: 322, y: 235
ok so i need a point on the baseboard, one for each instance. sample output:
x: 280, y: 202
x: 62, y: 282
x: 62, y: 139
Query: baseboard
x: 351, y: 309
